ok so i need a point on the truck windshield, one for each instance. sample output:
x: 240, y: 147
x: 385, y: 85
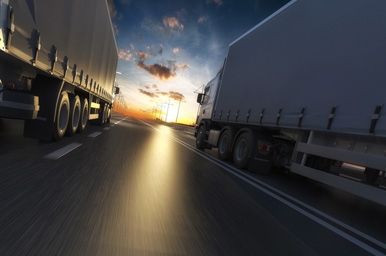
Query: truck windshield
x: 206, y: 94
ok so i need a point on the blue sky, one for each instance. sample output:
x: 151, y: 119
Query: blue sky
x: 169, y: 49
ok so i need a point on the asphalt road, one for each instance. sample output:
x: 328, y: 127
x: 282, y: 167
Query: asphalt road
x: 141, y: 188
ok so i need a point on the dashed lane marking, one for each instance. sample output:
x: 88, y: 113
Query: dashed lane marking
x: 63, y: 151
x: 67, y: 149
x: 93, y: 135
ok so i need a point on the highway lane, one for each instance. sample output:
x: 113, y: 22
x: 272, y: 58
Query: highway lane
x: 131, y: 188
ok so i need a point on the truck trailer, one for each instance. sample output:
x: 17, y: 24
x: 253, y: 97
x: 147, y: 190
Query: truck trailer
x: 304, y: 91
x: 58, y: 63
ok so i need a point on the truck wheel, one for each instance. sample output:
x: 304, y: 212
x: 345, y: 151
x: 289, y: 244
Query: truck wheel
x: 200, y: 138
x: 74, y: 115
x: 102, y: 115
x: 243, y: 150
x: 83, y: 116
x: 62, y: 116
x: 105, y: 114
x: 225, y: 145
x: 108, y: 115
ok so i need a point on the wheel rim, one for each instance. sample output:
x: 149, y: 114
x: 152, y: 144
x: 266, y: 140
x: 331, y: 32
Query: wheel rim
x: 200, y: 135
x: 75, y: 120
x: 84, y: 119
x: 241, y: 149
x: 200, y: 138
x: 105, y: 115
x: 223, y: 144
x: 63, y: 116
x: 84, y: 113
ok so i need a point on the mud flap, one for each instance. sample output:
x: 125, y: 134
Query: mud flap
x: 14, y: 104
x: 48, y: 90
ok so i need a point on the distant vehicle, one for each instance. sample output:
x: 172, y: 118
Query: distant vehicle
x: 58, y: 62
x: 305, y: 89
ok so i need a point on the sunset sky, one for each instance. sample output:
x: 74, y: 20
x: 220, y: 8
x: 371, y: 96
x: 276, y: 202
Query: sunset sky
x: 168, y: 49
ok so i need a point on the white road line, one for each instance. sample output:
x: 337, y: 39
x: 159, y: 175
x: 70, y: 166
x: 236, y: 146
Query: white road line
x: 67, y: 149
x: 255, y: 183
x: 123, y: 119
x: 93, y: 135
x: 63, y: 151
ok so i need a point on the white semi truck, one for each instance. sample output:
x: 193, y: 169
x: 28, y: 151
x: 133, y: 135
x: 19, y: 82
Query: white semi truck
x: 58, y: 63
x: 305, y: 89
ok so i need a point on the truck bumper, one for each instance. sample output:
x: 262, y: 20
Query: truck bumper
x: 18, y: 105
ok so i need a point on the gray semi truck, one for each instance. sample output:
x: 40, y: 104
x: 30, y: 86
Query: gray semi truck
x: 58, y: 63
x: 305, y: 90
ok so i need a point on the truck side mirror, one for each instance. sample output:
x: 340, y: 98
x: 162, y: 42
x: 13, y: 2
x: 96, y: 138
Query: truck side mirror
x: 116, y: 90
x: 200, y: 97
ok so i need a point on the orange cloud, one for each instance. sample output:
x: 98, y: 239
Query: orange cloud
x: 176, y: 96
x: 142, y: 56
x: 163, y: 93
x: 172, y: 23
x: 202, y: 19
x: 112, y: 9
x: 183, y: 66
x: 125, y: 54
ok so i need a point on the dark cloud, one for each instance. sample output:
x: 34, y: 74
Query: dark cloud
x: 150, y: 94
x: 158, y: 70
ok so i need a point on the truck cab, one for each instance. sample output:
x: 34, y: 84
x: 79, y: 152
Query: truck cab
x: 206, y: 107
x: 207, y: 98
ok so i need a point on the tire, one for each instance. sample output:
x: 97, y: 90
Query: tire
x: 102, y: 115
x: 62, y: 117
x: 224, y: 150
x: 200, y: 138
x: 74, y: 115
x: 83, y: 115
x: 105, y: 114
x: 108, y: 115
x: 243, y: 150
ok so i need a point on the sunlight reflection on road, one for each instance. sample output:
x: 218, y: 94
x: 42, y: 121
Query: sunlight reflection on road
x: 152, y: 199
